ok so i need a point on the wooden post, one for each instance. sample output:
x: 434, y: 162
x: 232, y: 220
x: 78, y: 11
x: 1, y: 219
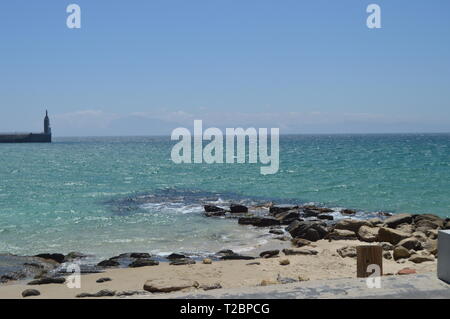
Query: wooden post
x: 368, y: 255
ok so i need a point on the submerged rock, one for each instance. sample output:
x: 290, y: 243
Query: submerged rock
x: 258, y: 221
x: 348, y: 212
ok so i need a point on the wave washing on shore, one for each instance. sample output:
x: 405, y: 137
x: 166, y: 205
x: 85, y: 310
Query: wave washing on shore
x: 107, y: 196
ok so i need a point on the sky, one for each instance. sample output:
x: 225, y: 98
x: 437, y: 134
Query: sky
x: 145, y: 67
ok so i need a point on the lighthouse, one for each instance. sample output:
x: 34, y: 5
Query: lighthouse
x: 47, y: 128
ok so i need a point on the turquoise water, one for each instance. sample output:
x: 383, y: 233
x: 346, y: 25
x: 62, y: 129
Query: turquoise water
x: 111, y: 195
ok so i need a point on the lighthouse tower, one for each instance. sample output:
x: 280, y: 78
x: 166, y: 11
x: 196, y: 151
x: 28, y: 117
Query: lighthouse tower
x: 47, y: 128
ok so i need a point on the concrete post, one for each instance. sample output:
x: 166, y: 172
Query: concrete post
x: 444, y: 255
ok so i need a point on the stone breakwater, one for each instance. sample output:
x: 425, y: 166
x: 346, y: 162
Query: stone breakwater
x: 404, y: 238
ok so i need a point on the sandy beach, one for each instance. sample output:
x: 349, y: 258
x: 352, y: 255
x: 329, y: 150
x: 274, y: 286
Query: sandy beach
x: 326, y: 264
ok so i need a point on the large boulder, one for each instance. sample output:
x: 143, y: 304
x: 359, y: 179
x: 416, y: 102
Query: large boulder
x: 237, y: 208
x: 392, y: 236
x: 427, y: 222
x: 308, y: 230
x: 341, y: 234
x: 258, y: 221
x: 351, y: 224
x: 368, y: 234
x: 395, y: 220
x: 401, y: 253
x: 411, y: 243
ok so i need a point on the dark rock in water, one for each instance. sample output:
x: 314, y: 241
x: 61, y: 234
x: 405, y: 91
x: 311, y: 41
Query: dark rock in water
x: 398, y: 219
x: 310, y: 213
x: 269, y: 253
x: 236, y: 208
x: 101, y: 293
x: 277, y: 209
x: 47, y: 280
x: 104, y: 279
x: 276, y: 231
x: 175, y: 256
x: 108, y: 263
x: 258, y: 221
x: 326, y: 217
x: 142, y: 262
x: 30, y: 292
x: 311, y: 231
x: 288, y: 217
x: 183, y: 261
x: 14, y: 267
x: 74, y: 255
x: 321, y: 210
x: 140, y: 255
x: 212, y: 209
x: 237, y: 257
x: 59, y: 258
x: 225, y: 252
x: 348, y: 212
x: 215, y: 214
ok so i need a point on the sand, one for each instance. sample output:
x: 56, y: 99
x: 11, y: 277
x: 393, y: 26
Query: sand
x: 327, y: 264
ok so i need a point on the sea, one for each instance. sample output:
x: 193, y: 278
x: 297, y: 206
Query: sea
x: 109, y: 195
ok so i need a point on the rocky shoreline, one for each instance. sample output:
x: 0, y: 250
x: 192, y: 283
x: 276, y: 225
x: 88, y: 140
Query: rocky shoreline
x: 404, y: 237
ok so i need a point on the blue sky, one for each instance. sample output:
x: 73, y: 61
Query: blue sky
x: 144, y: 67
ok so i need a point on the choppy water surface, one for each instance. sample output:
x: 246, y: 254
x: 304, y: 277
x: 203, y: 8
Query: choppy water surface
x: 111, y: 195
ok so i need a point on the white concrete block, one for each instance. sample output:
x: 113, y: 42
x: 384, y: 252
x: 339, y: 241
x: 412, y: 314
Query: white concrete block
x: 444, y: 255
